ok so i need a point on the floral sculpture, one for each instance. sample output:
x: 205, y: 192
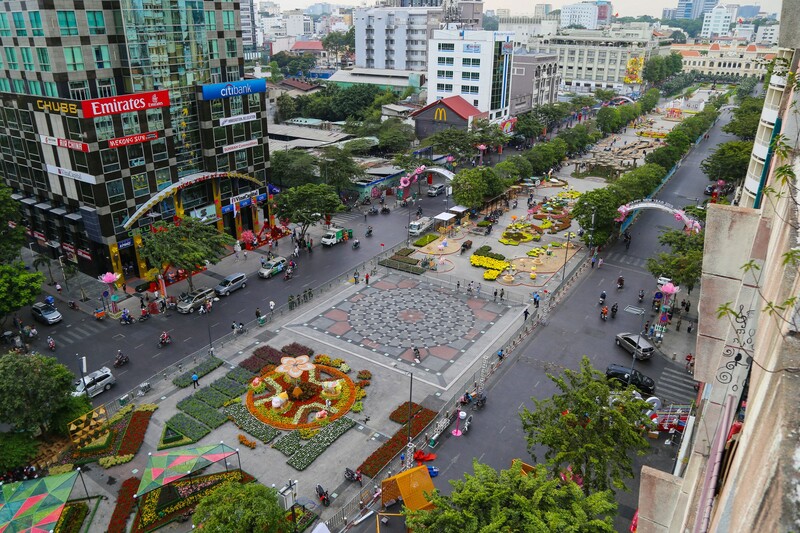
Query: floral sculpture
x: 295, y: 366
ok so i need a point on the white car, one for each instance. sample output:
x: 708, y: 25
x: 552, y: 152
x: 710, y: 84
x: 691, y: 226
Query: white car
x: 95, y: 383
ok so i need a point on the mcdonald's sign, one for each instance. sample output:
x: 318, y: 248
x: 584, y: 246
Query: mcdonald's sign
x: 440, y: 114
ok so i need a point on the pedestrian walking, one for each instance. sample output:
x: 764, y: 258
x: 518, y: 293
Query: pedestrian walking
x: 646, y: 327
x: 292, y: 236
x: 688, y: 305
x: 258, y: 313
x: 58, y: 288
x: 599, y: 262
x: 310, y: 242
x: 365, y: 216
x: 593, y: 260
x: 195, y: 380
x: 683, y: 304
x: 296, y: 251
x: 366, y: 278
x: 355, y: 277
x: 244, y: 253
x: 479, y: 289
x: 495, y: 295
x: 458, y: 285
x: 502, y: 294
x: 652, y: 330
x: 525, y: 313
x: 690, y: 327
x: 536, y: 300
x: 271, y: 307
x: 469, y: 288
x: 309, y: 246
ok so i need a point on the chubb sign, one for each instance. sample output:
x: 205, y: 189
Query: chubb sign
x: 131, y: 103
x: 234, y: 88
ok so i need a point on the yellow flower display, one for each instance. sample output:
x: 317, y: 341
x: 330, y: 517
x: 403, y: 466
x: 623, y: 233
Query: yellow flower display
x: 487, y: 262
x: 491, y: 275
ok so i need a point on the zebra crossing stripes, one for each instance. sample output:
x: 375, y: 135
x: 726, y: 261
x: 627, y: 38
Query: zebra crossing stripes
x: 676, y: 386
x: 624, y: 259
x: 78, y: 332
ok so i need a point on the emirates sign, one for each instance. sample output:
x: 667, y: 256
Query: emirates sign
x: 131, y: 103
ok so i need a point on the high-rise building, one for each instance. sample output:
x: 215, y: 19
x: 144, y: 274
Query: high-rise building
x: 685, y: 9
x: 590, y: 15
x: 114, y: 119
x: 502, y: 12
x: 768, y: 34
x: 749, y: 11
x: 669, y: 13
x: 701, y: 7
x: 717, y: 22
x: 527, y: 28
x: 534, y: 80
x: 474, y: 64
x: 394, y: 38
x: 541, y: 10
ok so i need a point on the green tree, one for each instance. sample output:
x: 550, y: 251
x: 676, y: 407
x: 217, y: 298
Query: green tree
x: 491, y: 23
x: 459, y: 143
x: 354, y: 101
x: 287, y: 107
x: 604, y: 95
x: 74, y: 407
x: 589, y: 425
x: 649, y: 101
x: 18, y: 288
x: 745, y: 119
x: 666, y: 156
x: 274, y: 72
x: 43, y: 260
x: 679, y: 139
x: 729, y: 161
x: 524, y: 168
x: 29, y: 403
x: 579, y: 102
x: 187, y: 244
x: 241, y: 507
x: 16, y: 450
x: 307, y: 204
x: 678, y: 37
x: 608, y: 119
x: 336, y: 42
x: 551, y: 114
x: 395, y: 136
x: 684, y: 263
x: 603, y: 203
x: 12, y: 234
x: 673, y: 63
x: 655, y: 70
x: 338, y: 169
x: 529, y: 126
x: 291, y: 168
x: 691, y: 26
x: 514, y: 500
x: 470, y: 187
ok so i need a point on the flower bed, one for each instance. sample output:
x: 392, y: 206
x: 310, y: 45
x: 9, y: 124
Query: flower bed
x: 381, y: 457
x: 485, y: 251
x: 72, y: 517
x: 294, y: 349
x: 253, y: 364
x: 124, y: 505
x: 134, y: 434
x: 191, y: 429
x: 289, y: 444
x: 426, y: 239
x: 202, y: 412
x: 229, y: 388
x: 488, y: 262
x: 319, y: 443
x: 240, y: 416
x: 405, y: 251
x: 270, y: 354
x: 241, y: 375
x: 205, y: 367
x: 400, y: 415
x: 211, y: 397
x: 491, y: 275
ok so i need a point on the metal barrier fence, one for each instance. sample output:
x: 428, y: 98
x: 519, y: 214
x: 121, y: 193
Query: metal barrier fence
x: 365, y: 501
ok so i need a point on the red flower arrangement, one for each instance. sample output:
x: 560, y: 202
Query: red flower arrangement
x: 381, y: 457
x: 269, y: 354
x: 124, y: 506
x: 134, y: 435
x: 400, y: 415
x: 295, y: 349
x: 253, y: 364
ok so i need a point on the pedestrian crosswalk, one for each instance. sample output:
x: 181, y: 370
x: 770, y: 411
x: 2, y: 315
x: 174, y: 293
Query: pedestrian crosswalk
x: 621, y: 258
x: 68, y: 334
x: 676, y: 386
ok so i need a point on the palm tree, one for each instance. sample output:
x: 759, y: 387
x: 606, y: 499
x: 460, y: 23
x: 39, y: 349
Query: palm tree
x: 44, y: 260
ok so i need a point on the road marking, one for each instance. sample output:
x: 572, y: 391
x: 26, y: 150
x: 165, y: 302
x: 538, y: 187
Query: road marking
x: 186, y: 339
x: 480, y: 459
x: 537, y: 384
x: 521, y: 406
x: 215, y: 324
x: 501, y: 430
x: 137, y: 347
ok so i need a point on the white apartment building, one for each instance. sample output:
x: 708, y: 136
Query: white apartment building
x: 527, y: 28
x: 473, y: 64
x: 589, y: 60
x: 541, y: 10
x: 714, y: 59
x: 583, y: 14
x: 744, y: 31
x: 270, y: 9
x: 768, y: 35
x: 298, y: 23
x: 716, y: 22
x: 394, y: 38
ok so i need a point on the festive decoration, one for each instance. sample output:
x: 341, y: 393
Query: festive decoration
x: 633, y: 70
x: 295, y: 366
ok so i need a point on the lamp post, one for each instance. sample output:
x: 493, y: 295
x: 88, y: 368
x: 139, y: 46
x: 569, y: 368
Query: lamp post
x: 82, y: 370
x: 566, y: 256
x: 635, y: 311
x: 410, y: 448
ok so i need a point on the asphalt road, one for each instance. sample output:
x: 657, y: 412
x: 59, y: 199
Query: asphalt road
x: 495, y: 438
x: 81, y: 335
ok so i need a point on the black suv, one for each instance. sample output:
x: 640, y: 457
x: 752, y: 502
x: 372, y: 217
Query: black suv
x: 623, y: 374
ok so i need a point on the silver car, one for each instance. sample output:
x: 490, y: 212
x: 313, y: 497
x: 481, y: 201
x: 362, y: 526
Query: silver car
x: 194, y: 300
x: 95, y: 383
x: 636, y: 344
x: 231, y: 283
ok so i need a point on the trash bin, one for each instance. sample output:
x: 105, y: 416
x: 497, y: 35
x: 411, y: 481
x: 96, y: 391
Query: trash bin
x: 262, y: 320
x: 349, y: 234
x: 123, y: 400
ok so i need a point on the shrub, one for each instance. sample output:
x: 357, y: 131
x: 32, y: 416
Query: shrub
x: 180, y: 423
x: 405, y: 260
x: 397, y: 265
x: 322, y: 359
x: 253, y: 364
x: 404, y: 251
x: 363, y: 383
x: 240, y: 375
x: 491, y: 275
x: 244, y: 441
x: 269, y: 354
x: 484, y: 223
x: 288, y: 444
x: 60, y: 469
x: 147, y: 407
x: 294, y: 349
x: 72, y: 518
x: 124, y: 505
x: 114, y: 460
x: 240, y: 416
x: 229, y: 388
x: 307, y: 433
x: 426, y: 239
x: 202, y: 412
x: 357, y: 407
x: 400, y: 415
x: 210, y: 396
x: 489, y: 263
x: 486, y: 251
x: 320, y: 442
x: 364, y: 374
x: 204, y: 368
x: 344, y: 367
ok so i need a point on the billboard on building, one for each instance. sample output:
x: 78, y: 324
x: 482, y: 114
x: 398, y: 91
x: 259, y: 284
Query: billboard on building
x: 234, y: 88
x: 129, y: 103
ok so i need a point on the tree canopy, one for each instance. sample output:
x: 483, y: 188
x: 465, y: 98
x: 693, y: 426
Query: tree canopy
x: 12, y: 234
x: 305, y: 205
x: 241, y: 507
x: 745, y: 118
x: 470, y: 186
x: 18, y: 288
x: 340, y: 42
x: 684, y: 263
x: 513, y: 500
x: 30, y: 403
x: 589, y: 425
x: 337, y: 168
x: 728, y: 162
x: 187, y: 244
x: 291, y: 168
x: 458, y: 142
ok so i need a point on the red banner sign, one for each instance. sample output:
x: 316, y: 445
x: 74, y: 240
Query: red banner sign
x: 64, y: 143
x: 133, y: 139
x: 39, y: 236
x: 68, y: 247
x: 85, y: 254
x: 130, y: 103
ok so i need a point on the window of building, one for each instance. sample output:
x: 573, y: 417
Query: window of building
x: 67, y: 23
x: 44, y: 59
x: 469, y: 89
x: 116, y: 191
x: 106, y: 87
x: 230, y: 47
x: 102, y: 59
x: 110, y: 160
x: 159, y: 149
x: 50, y: 88
x: 35, y: 87
x: 19, y: 24
x: 81, y: 164
x: 445, y: 61
x: 223, y: 163
x: 475, y: 76
x: 74, y: 130
x: 216, y: 74
x: 136, y: 155
x: 238, y: 132
x: 33, y: 150
x: 446, y: 74
x: 25, y: 119
x: 27, y: 59
x: 211, y: 21
x: 1, y: 58
x: 35, y: 19
x: 79, y: 90
x: 228, y: 20
x: 5, y: 27
x: 73, y: 55
x: 447, y: 47
x: 255, y: 129
x: 155, y: 120
x: 119, y: 218
x: 213, y: 49
x: 470, y: 62
x: 5, y: 145
x: 96, y: 22
x: 130, y: 124
x: 220, y: 136
x: 104, y: 126
x: 240, y: 159
x: 140, y: 185
x: 19, y: 86
x: 11, y: 58
x: 163, y: 180
x: 444, y: 87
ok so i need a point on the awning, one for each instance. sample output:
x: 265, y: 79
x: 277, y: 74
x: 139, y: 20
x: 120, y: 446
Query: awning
x: 458, y: 209
x: 35, y: 504
x: 75, y: 217
x: 16, y: 196
x: 60, y: 211
x: 28, y: 201
x: 444, y: 217
x: 45, y: 206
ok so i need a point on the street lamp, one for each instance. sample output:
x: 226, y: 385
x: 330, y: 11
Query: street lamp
x: 566, y: 256
x: 82, y: 370
x: 635, y: 311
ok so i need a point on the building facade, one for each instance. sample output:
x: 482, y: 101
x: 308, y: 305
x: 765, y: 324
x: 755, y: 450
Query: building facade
x: 715, y: 59
x: 701, y: 7
x: 473, y: 64
x: 684, y: 9
x: 534, y: 81
x: 583, y: 14
x: 542, y: 10
x: 114, y: 120
x: 394, y: 38
x: 768, y: 35
x: 669, y: 13
x: 527, y: 28
x: 717, y: 22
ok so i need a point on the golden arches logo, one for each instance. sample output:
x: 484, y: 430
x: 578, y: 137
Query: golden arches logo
x: 440, y: 114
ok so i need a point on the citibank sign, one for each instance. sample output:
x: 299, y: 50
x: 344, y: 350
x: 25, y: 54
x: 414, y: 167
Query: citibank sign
x: 235, y: 88
x: 131, y: 103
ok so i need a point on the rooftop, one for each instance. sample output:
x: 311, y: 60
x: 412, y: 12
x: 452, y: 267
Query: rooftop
x: 311, y: 46
x: 457, y: 104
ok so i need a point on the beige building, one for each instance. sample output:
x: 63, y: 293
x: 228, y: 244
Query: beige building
x: 737, y: 468
x: 716, y: 59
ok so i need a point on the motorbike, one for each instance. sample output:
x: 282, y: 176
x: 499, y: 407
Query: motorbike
x: 419, y: 211
x: 51, y: 344
x: 164, y: 340
x: 602, y: 298
x: 385, y: 210
x: 404, y: 203
x: 641, y: 296
x: 514, y: 205
x: 366, y: 201
x: 126, y: 319
x: 322, y: 494
x: 373, y: 210
x: 614, y: 309
x: 352, y: 475
x: 620, y: 283
x: 369, y: 232
x: 604, y: 314
x: 356, y: 244
x: 121, y: 360
x: 72, y: 305
x: 480, y: 402
x: 144, y: 317
x: 288, y: 274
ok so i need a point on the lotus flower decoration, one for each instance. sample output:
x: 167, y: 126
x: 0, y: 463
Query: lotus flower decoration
x: 295, y: 366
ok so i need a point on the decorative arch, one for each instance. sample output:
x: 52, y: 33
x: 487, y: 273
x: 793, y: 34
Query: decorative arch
x: 620, y: 97
x: 183, y: 183
x: 690, y: 225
